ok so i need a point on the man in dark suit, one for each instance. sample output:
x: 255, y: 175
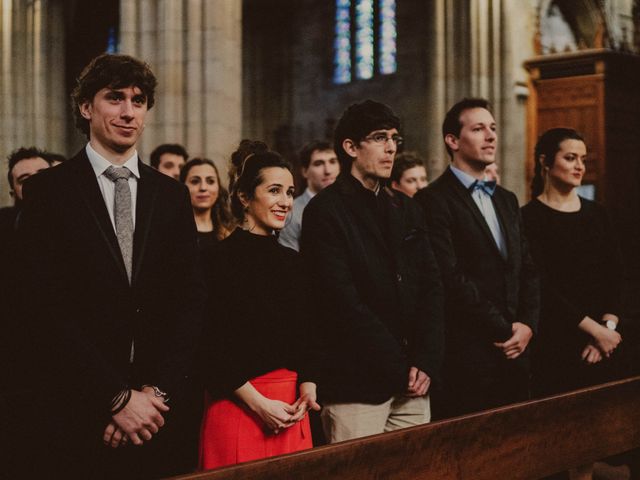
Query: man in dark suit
x: 110, y: 247
x: 491, y: 287
x: 367, y: 249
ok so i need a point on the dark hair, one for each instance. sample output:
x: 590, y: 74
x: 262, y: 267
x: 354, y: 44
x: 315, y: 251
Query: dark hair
x: 223, y: 221
x: 305, y: 152
x: 548, y: 144
x: 452, y: 125
x: 174, y: 148
x: 54, y: 157
x: 358, y: 121
x: 24, y: 153
x: 403, y: 162
x: 247, y: 163
x: 111, y: 71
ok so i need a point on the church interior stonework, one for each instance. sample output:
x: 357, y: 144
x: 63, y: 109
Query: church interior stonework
x: 283, y: 71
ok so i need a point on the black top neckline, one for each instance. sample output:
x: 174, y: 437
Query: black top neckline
x: 561, y: 212
x: 247, y: 236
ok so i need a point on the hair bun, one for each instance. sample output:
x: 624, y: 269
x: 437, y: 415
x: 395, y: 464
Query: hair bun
x: 246, y: 148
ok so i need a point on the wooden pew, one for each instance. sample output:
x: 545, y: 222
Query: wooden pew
x: 528, y: 440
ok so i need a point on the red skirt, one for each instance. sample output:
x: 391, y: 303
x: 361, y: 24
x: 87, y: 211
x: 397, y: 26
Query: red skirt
x: 231, y: 433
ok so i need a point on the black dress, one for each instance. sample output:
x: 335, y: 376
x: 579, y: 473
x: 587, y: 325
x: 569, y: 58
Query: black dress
x: 206, y: 240
x: 255, y: 331
x: 580, y: 268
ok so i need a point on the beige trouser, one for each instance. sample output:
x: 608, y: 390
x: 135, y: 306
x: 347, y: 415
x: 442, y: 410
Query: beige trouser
x: 345, y: 421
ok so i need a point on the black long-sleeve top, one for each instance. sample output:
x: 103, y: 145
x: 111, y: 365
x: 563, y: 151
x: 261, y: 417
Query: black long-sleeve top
x: 580, y: 267
x: 256, y: 320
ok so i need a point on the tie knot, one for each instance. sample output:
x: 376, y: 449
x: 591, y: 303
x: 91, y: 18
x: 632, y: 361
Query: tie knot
x: 488, y: 186
x: 117, y: 173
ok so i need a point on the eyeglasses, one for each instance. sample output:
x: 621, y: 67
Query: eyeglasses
x: 382, y: 139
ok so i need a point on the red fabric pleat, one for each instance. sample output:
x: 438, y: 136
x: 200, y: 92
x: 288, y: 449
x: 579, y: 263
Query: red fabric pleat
x: 231, y: 433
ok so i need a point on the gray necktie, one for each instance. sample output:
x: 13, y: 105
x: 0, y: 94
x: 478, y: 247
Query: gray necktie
x: 122, y: 213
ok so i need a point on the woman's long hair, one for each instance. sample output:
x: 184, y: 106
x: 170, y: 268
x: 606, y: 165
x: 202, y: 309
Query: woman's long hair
x: 548, y: 145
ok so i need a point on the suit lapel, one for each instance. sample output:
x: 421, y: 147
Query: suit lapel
x: 502, y: 210
x: 145, y: 202
x: 467, y: 199
x: 92, y: 197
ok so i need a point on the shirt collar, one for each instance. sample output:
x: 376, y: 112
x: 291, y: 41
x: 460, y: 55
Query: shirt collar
x: 100, y: 164
x: 308, y: 194
x: 466, y: 179
x: 362, y: 189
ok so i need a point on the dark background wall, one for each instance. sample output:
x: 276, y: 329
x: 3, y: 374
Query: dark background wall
x: 289, y: 95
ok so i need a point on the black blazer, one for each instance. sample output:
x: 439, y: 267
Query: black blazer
x: 484, y: 293
x: 81, y: 310
x: 378, y: 301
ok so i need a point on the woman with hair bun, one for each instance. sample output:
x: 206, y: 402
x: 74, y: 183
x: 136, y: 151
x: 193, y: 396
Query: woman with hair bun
x: 254, y: 363
x: 573, y: 245
x: 209, y: 200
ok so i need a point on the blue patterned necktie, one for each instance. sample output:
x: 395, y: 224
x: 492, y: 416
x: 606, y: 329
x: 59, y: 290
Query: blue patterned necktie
x: 488, y: 186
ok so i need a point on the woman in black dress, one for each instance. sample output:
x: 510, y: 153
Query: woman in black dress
x: 209, y: 200
x: 254, y: 363
x: 573, y: 245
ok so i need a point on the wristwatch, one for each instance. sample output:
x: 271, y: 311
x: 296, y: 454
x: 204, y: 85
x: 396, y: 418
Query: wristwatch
x: 610, y: 324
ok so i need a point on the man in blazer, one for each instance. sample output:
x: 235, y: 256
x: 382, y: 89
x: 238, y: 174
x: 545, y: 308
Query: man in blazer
x: 367, y: 249
x: 114, y: 260
x: 491, y: 287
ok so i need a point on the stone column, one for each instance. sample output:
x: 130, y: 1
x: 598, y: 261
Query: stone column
x: 33, y: 103
x: 195, y: 49
x: 478, y: 50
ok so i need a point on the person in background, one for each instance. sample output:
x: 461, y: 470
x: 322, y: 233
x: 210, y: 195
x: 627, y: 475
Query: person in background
x: 16, y: 389
x: 209, y: 200
x: 491, y: 284
x: 492, y: 173
x: 23, y: 163
x: 409, y: 174
x: 320, y: 167
x: 254, y: 353
x: 169, y: 158
x: 55, y: 159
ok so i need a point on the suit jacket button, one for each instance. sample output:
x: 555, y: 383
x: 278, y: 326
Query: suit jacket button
x: 399, y: 277
x: 138, y: 310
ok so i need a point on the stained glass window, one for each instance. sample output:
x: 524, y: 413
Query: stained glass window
x: 365, y: 39
x: 388, y: 33
x: 112, y: 41
x: 342, y: 45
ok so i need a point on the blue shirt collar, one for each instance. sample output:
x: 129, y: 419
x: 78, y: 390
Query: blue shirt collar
x: 466, y: 179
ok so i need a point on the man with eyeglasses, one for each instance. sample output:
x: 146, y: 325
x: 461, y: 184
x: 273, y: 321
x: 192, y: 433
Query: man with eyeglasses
x: 380, y: 338
x: 491, y: 286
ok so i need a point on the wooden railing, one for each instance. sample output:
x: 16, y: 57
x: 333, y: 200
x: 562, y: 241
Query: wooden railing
x: 528, y: 440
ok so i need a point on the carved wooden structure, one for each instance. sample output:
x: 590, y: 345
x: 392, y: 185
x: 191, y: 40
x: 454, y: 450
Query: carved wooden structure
x: 597, y: 92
